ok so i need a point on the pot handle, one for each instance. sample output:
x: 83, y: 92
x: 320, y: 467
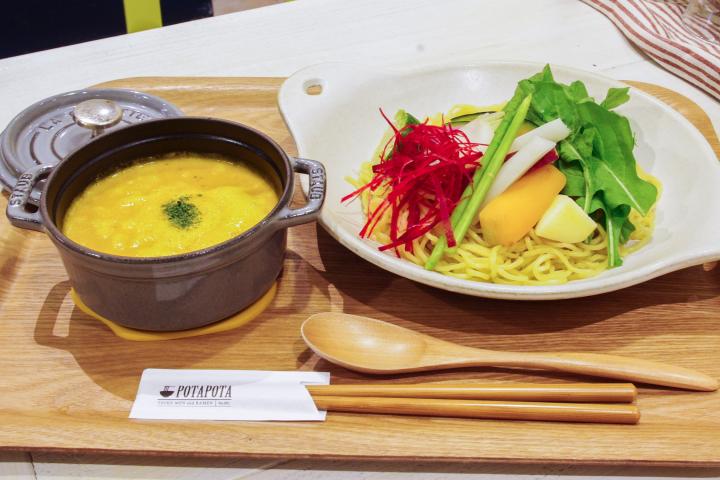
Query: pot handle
x: 316, y: 194
x: 17, y: 208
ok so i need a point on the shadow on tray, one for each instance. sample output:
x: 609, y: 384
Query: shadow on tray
x: 369, y: 290
x: 333, y: 278
x: 116, y: 364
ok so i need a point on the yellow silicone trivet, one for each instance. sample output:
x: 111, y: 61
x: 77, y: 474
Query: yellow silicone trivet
x: 237, y: 320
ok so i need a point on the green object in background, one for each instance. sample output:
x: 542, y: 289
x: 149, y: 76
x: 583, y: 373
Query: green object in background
x: 142, y: 15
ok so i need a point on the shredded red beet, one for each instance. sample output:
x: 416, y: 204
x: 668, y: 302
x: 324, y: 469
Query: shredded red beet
x: 426, y: 168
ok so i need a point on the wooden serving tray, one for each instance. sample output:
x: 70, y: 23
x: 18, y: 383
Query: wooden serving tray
x: 67, y: 383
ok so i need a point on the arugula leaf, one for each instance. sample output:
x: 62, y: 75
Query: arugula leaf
x: 578, y: 148
x: 615, y: 97
x: 597, y: 158
x: 574, y: 177
x: 551, y: 101
x: 615, y: 219
x: 627, y: 229
x: 615, y: 171
x: 617, y: 227
x: 578, y: 173
x: 577, y: 91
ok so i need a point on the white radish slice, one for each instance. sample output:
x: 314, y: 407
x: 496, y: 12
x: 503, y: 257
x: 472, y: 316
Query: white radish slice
x: 482, y: 129
x: 554, y: 131
x: 479, y: 131
x: 517, y: 165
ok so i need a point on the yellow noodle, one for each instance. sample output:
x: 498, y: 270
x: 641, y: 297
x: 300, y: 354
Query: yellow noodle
x: 532, y: 260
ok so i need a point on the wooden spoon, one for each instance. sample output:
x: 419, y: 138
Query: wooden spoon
x: 372, y: 346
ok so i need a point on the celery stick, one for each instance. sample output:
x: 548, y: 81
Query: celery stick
x: 482, y: 180
x: 441, y: 245
x: 509, y: 109
x: 493, y: 168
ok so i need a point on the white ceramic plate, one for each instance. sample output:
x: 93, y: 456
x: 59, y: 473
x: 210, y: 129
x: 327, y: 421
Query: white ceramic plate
x: 341, y: 127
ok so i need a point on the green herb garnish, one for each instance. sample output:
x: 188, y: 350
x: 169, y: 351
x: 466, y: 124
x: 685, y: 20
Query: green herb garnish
x: 181, y: 213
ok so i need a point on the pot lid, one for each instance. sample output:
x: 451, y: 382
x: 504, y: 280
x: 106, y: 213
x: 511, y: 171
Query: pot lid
x: 47, y: 131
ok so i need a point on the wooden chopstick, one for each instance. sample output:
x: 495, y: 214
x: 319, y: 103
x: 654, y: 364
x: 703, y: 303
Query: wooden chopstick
x: 504, y: 410
x: 563, y: 392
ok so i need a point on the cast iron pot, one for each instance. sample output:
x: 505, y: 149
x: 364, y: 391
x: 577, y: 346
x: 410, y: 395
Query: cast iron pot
x: 180, y: 291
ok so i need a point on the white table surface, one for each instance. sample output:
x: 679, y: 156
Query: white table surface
x: 276, y: 41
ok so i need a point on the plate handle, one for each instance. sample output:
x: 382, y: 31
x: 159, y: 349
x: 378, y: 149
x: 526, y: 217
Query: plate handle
x: 305, y: 93
x: 18, y: 211
x: 289, y: 217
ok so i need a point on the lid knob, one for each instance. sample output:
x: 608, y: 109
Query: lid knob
x: 97, y: 114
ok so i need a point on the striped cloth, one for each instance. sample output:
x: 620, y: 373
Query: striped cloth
x: 680, y: 46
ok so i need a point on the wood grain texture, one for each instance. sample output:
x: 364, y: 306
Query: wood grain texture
x: 362, y: 344
x: 620, y: 413
x: 534, y: 392
x: 63, y: 466
x: 67, y: 383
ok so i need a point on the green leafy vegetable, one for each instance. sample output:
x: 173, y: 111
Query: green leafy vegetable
x: 575, y: 158
x: 597, y: 158
x: 615, y: 97
x: 612, y: 162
